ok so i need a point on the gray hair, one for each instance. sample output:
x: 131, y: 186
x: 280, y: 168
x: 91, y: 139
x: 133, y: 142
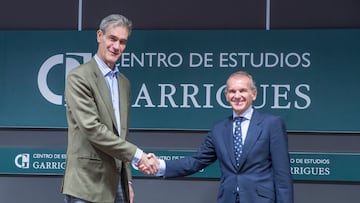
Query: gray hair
x: 115, y: 20
x: 242, y: 73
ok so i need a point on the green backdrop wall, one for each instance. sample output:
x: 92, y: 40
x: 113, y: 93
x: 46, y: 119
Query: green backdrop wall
x: 307, y: 76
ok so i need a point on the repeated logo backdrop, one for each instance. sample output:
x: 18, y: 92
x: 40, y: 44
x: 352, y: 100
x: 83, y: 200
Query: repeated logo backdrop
x: 178, y: 77
x: 304, y: 166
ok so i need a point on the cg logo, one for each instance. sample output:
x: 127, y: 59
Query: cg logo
x: 22, y: 160
x: 70, y: 61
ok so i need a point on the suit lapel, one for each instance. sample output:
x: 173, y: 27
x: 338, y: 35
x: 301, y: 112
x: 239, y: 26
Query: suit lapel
x: 103, y: 90
x: 252, y: 136
x: 229, y: 140
x: 123, y: 103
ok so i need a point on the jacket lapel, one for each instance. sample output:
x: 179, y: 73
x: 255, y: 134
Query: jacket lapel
x: 252, y: 136
x: 123, y: 104
x: 229, y: 140
x: 103, y: 90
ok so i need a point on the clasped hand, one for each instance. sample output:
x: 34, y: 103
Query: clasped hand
x: 149, y: 164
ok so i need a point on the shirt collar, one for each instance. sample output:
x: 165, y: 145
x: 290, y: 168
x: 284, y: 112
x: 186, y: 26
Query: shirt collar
x: 105, y: 70
x: 247, y: 114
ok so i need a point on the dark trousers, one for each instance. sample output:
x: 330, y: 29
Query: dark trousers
x: 119, y: 197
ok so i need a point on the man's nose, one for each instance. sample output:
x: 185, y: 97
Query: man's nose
x: 117, y: 45
x: 237, y: 94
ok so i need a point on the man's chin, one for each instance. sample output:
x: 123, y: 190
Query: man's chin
x: 238, y: 108
x: 112, y: 60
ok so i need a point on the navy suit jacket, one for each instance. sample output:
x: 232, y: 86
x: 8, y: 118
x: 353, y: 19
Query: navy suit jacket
x: 264, y: 173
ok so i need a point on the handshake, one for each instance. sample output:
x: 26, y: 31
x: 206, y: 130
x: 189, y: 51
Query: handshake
x: 149, y: 164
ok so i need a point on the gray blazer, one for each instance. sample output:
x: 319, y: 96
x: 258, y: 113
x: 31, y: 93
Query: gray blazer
x: 96, y: 155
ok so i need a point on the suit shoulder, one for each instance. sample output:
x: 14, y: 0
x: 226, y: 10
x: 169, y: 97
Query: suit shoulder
x: 221, y: 122
x: 266, y: 115
x: 268, y: 118
x: 85, y: 70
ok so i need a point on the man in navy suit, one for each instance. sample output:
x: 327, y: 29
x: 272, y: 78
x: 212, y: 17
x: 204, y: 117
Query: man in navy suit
x: 262, y: 174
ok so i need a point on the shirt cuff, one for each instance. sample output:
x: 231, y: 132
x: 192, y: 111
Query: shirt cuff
x: 137, y: 157
x: 162, y: 168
